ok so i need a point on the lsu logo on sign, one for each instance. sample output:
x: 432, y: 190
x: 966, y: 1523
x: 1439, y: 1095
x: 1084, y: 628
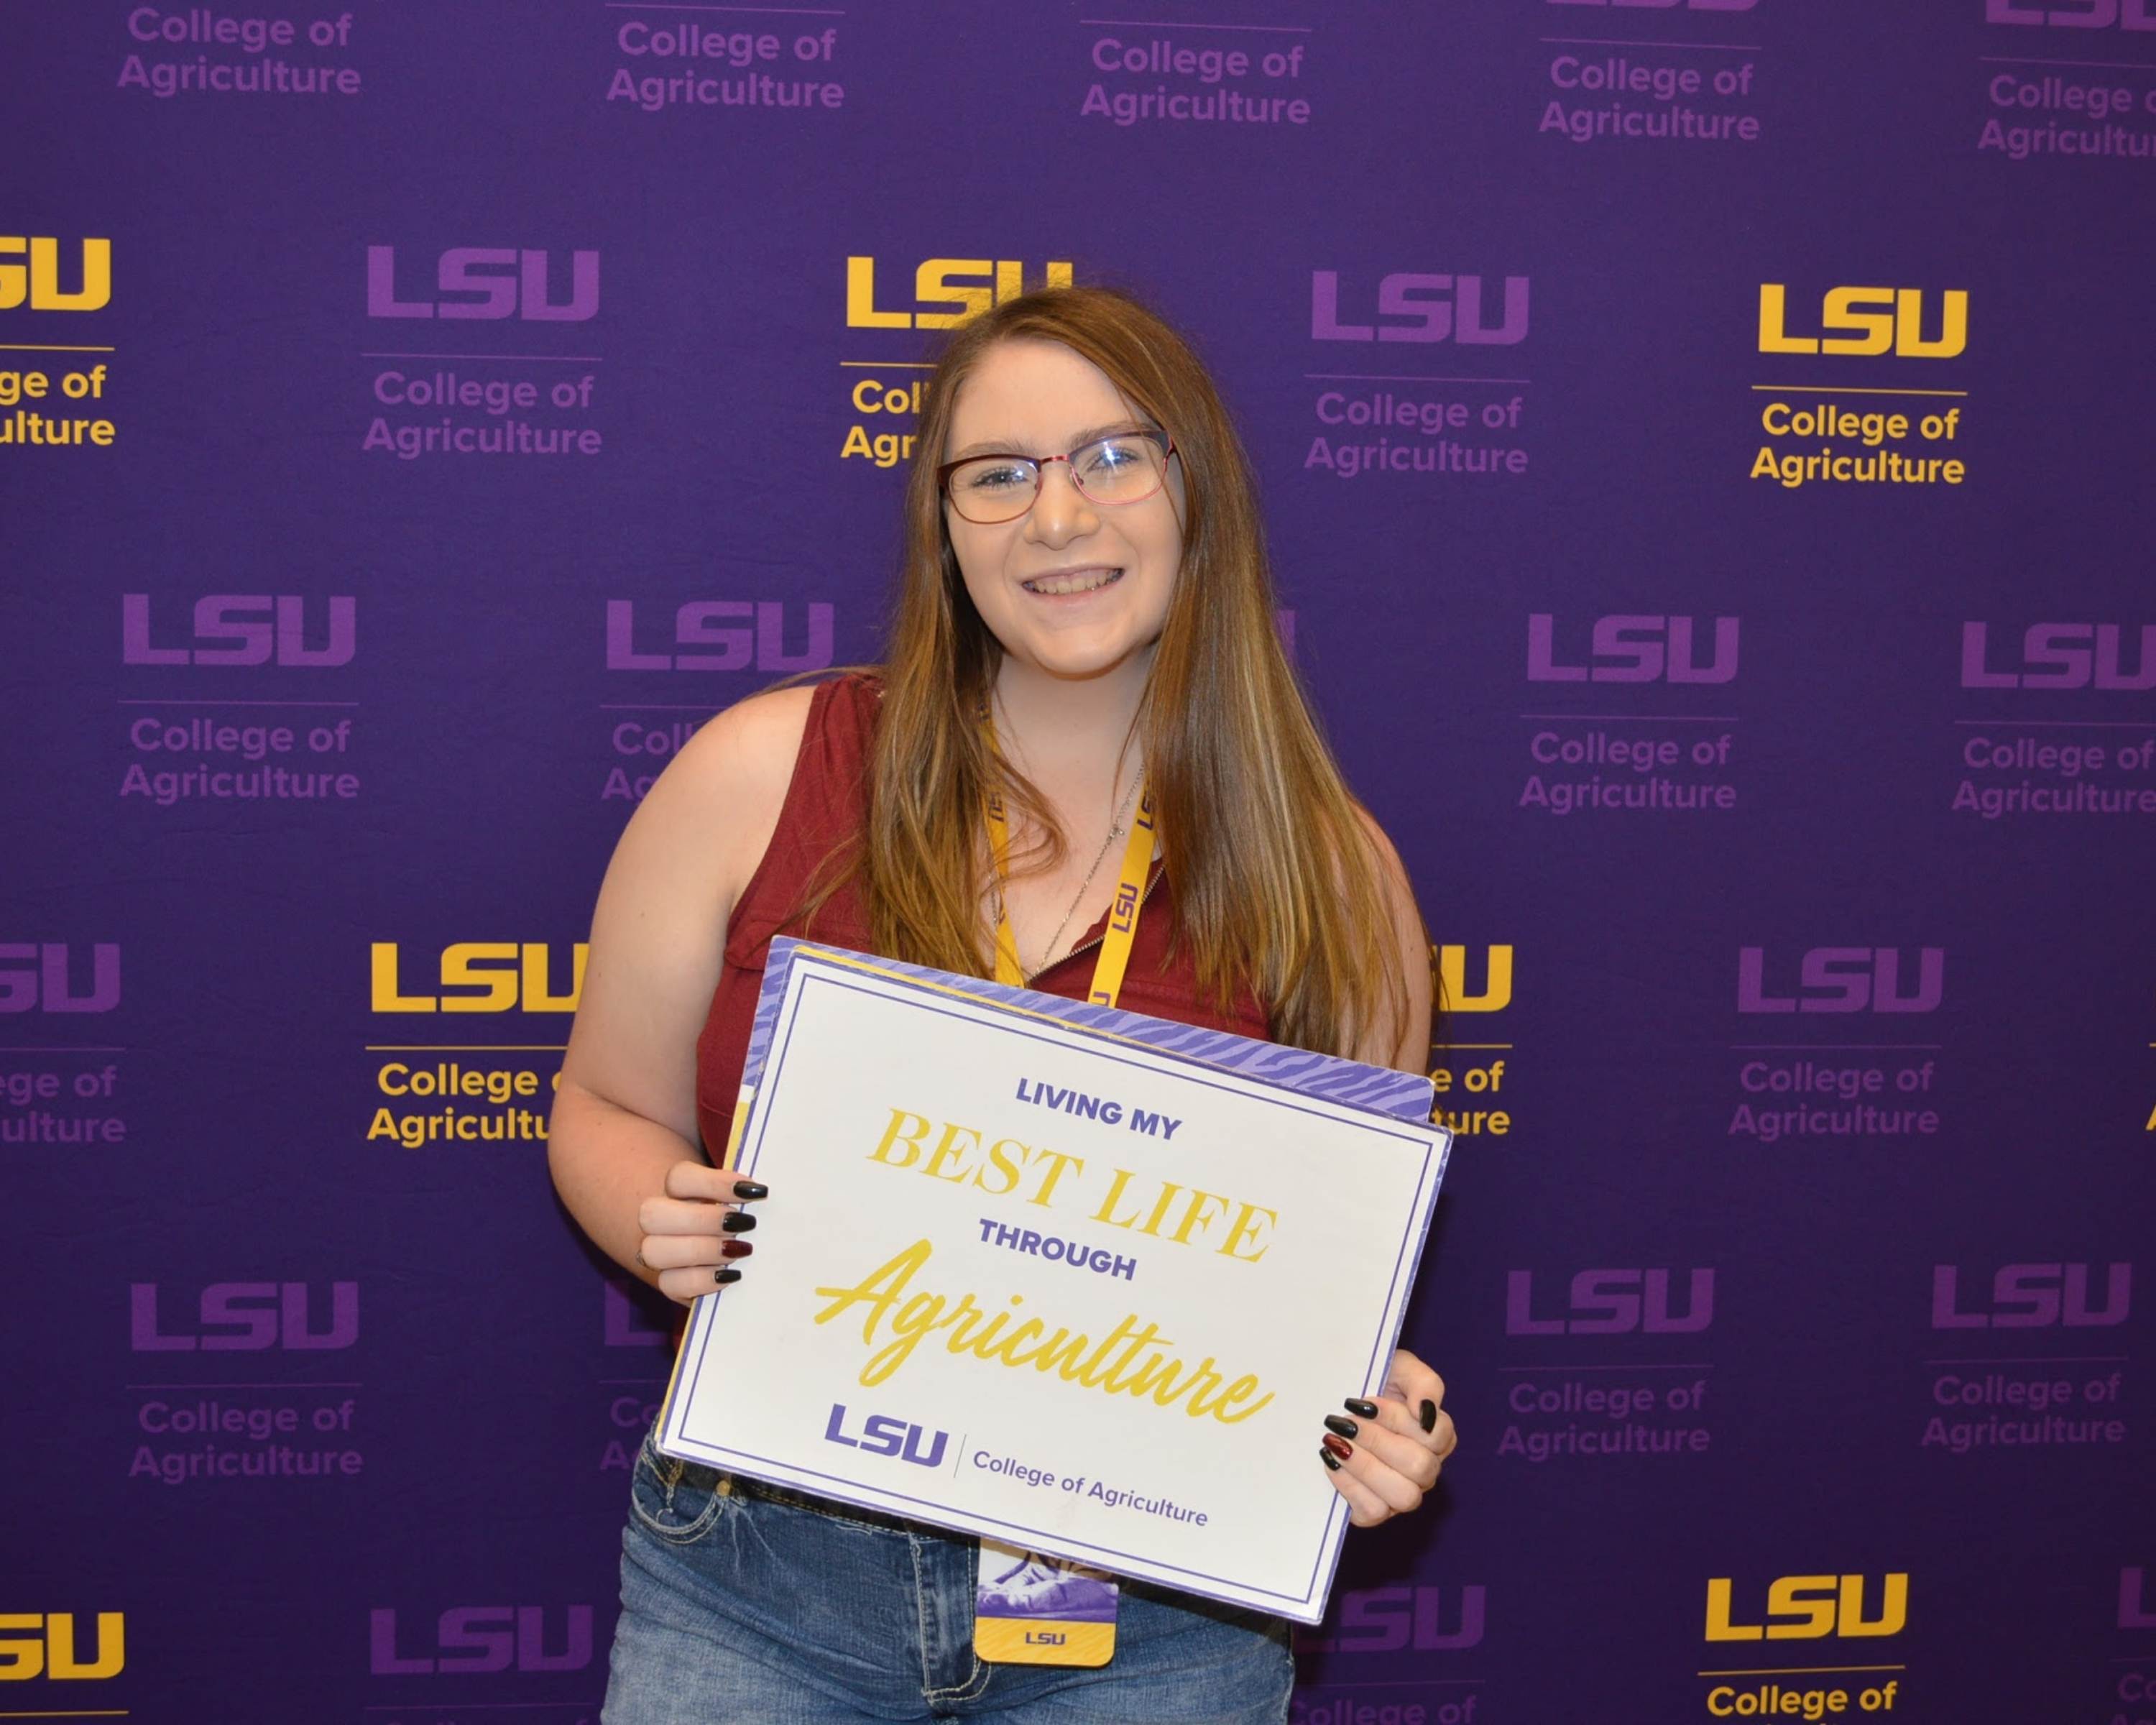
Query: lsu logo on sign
x: 2078, y: 15
x: 1449, y: 965
x: 42, y: 1645
x: 1625, y: 648
x: 1867, y: 320
x: 1845, y: 979
x: 246, y: 1316
x: 475, y: 1639
x: 2135, y: 1608
x: 37, y: 284
x: 1612, y: 1302
x: 972, y: 284
x: 496, y: 976
x: 41, y: 978
x: 1392, y: 1619
x: 2034, y: 1296
x: 1414, y: 307
x: 492, y: 282
x: 887, y: 1434
x: 1809, y: 1607
x: 2062, y: 655
x: 260, y: 629
x: 715, y: 636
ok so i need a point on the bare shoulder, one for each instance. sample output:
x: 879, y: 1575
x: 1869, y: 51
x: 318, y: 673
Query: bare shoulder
x: 1403, y: 1041
x: 1392, y: 882
x: 659, y: 930
x: 752, y: 742
x: 1387, y: 851
x: 1393, y: 873
x: 721, y: 795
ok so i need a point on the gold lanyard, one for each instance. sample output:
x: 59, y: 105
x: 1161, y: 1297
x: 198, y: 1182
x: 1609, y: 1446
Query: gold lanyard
x: 1116, y: 940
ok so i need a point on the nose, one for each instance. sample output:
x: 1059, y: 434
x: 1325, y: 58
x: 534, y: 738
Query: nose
x: 1060, y: 511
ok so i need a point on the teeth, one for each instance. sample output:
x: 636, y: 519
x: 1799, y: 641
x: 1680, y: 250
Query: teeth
x: 1079, y: 581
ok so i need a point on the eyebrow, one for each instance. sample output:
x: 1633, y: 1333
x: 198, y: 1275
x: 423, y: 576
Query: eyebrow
x: 1091, y: 434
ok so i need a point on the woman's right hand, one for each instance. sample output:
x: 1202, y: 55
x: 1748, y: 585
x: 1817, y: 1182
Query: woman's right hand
x: 692, y: 1234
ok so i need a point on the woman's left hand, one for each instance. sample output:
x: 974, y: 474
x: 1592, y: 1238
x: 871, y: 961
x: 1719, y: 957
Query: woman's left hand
x: 1382, y: 1455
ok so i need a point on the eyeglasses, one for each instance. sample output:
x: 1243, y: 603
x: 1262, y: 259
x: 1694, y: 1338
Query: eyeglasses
x: 1126, y: 468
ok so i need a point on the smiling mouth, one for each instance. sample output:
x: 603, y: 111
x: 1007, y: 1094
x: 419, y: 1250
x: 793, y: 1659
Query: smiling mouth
x: 1071, y: 581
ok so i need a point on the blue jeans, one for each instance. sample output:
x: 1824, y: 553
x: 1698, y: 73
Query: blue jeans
x: 741, y: 1602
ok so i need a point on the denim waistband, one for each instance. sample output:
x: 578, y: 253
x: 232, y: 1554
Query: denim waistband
x: 740, y: 1485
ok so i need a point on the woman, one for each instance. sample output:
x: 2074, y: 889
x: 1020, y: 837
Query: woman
x: 1084, y: 604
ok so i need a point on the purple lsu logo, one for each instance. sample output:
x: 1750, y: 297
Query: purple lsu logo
x: 2034, y: 1297
x: 262, y: 629
x: 39, y: 977
x: 1844, y: 979
x: 1611, y: 1302
x: 2061, y: 655
x: 712, y: 635
x: 2076, y: 15
x: 885, y: 1435
x: 1389, y: 1619
x: 625, y: 1325
x: 1625, y: 648
x: 1429, y: 308
x: 246, y: 1316
x: 473, y: 1638
x: 2134, y: 1608
x: 499, y: 281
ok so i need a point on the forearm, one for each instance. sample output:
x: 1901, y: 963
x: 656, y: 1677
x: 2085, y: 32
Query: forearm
x: 605, y: 1160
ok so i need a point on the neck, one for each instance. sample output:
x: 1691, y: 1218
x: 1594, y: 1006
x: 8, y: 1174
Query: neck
x: 1062, y: 728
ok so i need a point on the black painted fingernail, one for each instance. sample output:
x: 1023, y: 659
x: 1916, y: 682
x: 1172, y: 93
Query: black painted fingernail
x: 1341, y: 1424
x: 734, y: 1249
x: 1339, y: 1446
x: 740, y: 1222
x: 1328, y: 1458
x: 723, y: 1278
x: 1429, y: 1416
x: 746, y: 1189
x: 1356, y: 1404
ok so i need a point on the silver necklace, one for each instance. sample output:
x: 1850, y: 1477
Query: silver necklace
x: 1115, y: 830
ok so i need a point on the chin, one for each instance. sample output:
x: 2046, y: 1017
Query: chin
x: 1078, y: 664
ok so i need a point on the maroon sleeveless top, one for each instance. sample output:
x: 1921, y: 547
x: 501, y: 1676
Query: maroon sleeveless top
x: 825, y: 804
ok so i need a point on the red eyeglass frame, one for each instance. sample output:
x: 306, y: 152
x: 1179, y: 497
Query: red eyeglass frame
x: 1152, y: 433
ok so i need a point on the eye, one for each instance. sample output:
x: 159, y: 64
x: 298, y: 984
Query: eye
x: 1114, y: 455
x: 994, y: 476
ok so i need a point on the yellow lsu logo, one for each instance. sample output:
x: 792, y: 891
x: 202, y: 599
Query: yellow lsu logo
x: 34, y: 1645
x: 498, y: 976
x: 1449, y: 965
x: 1809, y: 1607
x: 972, y: 284
x: 1877, y: 320
x: 38, y: 285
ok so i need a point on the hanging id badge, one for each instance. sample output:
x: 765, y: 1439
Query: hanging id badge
x: 1027, y: 1609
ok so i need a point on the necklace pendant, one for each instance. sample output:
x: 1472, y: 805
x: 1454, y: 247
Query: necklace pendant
x: 1115, y: 830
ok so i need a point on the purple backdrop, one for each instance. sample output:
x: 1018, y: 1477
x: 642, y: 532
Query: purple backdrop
x: 1705, y: 451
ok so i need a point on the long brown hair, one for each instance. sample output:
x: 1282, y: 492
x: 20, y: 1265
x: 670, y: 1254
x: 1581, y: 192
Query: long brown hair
x: 1278, y: 884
